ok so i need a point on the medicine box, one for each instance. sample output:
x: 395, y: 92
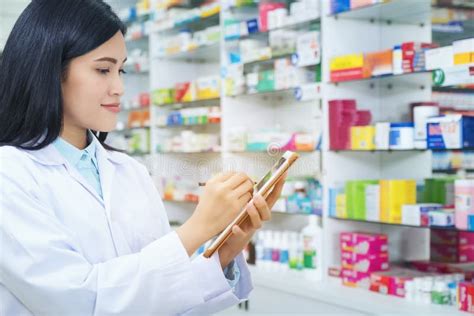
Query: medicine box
x: 452, y: 131
x: 364, y: 243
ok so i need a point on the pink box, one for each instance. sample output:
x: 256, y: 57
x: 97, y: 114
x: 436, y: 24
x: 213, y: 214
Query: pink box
x: 263, y: 9
x: 466, y: 296
x: 364, y: 264
x: 355, y: 279
x: 364, y: 243
x: 445, y: 268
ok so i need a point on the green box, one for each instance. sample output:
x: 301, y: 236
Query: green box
x: 266, y: 81
x: 355, y: 198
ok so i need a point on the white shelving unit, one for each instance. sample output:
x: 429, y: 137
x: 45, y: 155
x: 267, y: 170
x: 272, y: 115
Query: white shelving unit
x: 367, y: 29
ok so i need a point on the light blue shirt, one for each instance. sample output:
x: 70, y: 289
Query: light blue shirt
x: 84, y: 160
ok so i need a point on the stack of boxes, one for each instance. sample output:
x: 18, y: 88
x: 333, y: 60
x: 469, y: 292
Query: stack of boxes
x: 451, y: 246
x: 343, y: 115
x: 362, y: 254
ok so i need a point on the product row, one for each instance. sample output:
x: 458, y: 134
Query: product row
x: 406, y: 58
x: 350, y: 129
x: 442, y: 280
x: 440, y: 202
x: 203, y: 88
x: 190, y: 117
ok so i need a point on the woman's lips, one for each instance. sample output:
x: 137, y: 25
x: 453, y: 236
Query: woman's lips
x: 115, y: 107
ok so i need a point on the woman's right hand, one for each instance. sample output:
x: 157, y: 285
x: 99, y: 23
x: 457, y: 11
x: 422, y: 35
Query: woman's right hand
x: 223, y: 198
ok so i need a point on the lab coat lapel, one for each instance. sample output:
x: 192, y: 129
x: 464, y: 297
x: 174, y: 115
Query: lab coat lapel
x: 106, y: 172
x: 51, y: 156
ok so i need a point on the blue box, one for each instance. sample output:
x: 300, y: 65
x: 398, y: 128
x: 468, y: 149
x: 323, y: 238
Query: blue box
x: 338, y: 6
x: 252, y: 26
x: 452, y: 131
x: 470, y: 222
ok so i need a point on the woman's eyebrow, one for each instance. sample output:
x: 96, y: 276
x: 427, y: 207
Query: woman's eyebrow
x: 110, y: 59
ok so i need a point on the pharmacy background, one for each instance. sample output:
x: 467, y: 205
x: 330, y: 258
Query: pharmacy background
x: 377, y: 98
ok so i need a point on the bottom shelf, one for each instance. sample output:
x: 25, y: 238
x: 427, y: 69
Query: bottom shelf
x: 331, y: 291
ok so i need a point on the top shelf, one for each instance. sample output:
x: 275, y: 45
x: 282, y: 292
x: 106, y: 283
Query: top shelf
x: 395, y: 11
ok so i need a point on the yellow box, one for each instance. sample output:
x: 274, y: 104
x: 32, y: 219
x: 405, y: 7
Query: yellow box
x: 208, y: 87
x: 393, y: 195
x: 341, y: 210
x: 463, y: 58
x: 363, y: 137
x: 347, y: 62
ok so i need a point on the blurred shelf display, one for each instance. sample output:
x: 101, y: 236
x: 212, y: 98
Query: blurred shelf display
x: 387, y: 11
x: 194, y: 19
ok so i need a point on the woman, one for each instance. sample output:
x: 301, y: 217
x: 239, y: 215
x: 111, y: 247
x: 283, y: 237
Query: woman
x: 83, y: 230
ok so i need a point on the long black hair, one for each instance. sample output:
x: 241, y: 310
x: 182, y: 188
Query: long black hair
x: 44, y: 39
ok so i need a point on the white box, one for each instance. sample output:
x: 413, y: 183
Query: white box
x: 372, y: 202
x: 382, y: 135
x: 308, y: 49
x: 439, y: 58
x: 412, y: 213
x: 463, y: 46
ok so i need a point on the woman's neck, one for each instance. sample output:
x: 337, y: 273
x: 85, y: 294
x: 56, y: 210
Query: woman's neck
x: 75, y: 137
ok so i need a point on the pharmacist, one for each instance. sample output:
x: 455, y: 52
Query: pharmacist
x: 82, y: 229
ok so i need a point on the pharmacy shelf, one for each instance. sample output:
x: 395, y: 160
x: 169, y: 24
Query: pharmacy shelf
x: 197, y: 103
x: 271, y: 151
x: 136, y: 39
x: 293, y: 26
x: 331, y: 291
x: 132, y: 69
x: 453, y: 89
x: 208, y: 53
x: 384, y: 77
x: 396, y: 225
x: 194, y: 24
x: 188, y: 125
x: 294, y: 214
x: 394, y: 11
x: 452, y: 171
x: 377, y: 150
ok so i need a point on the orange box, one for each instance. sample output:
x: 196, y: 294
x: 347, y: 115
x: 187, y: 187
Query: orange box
x: 378, y: 63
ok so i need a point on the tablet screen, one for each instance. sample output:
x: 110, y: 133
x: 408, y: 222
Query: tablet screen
x: 270, y: 173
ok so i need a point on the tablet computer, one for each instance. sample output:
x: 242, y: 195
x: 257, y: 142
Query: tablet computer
x: 263, y: 187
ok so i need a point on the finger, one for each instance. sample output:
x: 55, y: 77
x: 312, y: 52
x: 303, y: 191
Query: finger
x: 254, y: 216
x: 244, y: 199
x: 237, y: 231
x: 236, y: 180
x: 223, y: 176
x: 262, y: 207
x: 246, y: 187
x: 276, y: 192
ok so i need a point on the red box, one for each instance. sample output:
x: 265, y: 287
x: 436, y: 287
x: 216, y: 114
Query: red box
x: 445, y: 268
x: 466, y: 296
x: 392, y: 282
x: 451, y: 254
x: 453, y: 238
x: 342, y: 115
x: 347, y: 74
x: 364, y: 243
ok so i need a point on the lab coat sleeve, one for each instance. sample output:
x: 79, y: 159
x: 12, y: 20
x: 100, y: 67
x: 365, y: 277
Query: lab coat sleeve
x: 43, y: 266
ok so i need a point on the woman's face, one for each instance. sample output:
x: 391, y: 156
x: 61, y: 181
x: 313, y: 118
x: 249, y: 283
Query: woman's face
x: 93, y: 86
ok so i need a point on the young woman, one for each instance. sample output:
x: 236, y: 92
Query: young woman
x: 82, y: 229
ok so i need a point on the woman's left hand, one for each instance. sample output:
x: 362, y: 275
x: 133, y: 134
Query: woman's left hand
x: 259, y: 211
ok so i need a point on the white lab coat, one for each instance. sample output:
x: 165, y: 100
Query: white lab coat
x: 64, y: 251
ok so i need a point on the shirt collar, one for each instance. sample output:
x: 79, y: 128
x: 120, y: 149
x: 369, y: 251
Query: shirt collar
x: 72, y: 154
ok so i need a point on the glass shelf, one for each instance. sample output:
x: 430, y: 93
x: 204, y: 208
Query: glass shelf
x: 385, y: 77
x: 188, y: 153
x: 201, y: 53
x: 196, y: 103
x: 194, y: 24
x: 294, y: 26
x: 188, y: 126
x: 396, y: 225
x: 395, y: 11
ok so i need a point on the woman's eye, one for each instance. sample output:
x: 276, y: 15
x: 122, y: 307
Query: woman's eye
x: 103, y: 71
x: 123, y: 72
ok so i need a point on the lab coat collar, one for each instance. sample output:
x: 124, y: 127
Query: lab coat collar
x: 50, y: 156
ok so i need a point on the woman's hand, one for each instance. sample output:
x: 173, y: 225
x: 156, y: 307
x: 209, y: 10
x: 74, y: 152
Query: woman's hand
x: 259, y: 211
x: 223, y: 198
